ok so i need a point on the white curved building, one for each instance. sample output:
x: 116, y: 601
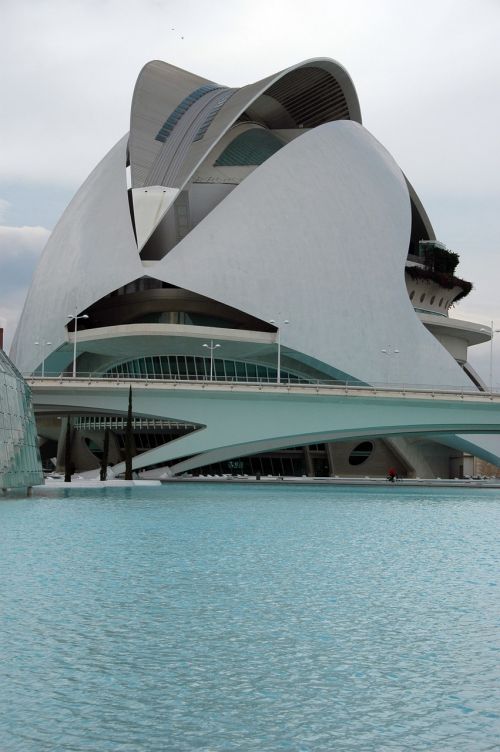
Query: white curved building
x: 225, y: 210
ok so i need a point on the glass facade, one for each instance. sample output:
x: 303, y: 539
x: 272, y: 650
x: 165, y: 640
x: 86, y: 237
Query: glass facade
x: 181, y: 109
x: 252, y: 147
x: 192, y: 368
x: 20, y: 465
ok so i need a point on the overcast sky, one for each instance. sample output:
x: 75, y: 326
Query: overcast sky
x: 426, y: 73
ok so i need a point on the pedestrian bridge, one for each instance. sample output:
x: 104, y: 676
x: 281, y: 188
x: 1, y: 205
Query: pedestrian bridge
x: 236, y: 419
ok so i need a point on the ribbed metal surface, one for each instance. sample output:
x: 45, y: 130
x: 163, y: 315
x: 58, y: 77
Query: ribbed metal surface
x: 175, y: 149
x: 311, y: 96
x: 159, y: 90
x: 218, y: 104
x: 181, y: 110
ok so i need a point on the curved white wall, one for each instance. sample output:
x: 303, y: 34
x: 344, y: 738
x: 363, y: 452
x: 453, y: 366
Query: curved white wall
x: 90, y: 253
x: 318, y: 234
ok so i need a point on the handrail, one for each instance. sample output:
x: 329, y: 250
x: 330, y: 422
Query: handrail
x: 375, y: 388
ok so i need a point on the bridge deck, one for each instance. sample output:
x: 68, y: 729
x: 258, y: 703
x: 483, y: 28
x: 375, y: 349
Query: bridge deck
x: 48, y: 384
x: 234, y: 419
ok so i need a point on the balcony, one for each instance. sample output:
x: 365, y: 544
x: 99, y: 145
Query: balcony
x: 436, y: 264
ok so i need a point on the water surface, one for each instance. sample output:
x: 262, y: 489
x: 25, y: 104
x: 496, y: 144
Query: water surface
x: 247, y: 617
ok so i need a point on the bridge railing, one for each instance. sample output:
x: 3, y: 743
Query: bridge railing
x: 334, y: 384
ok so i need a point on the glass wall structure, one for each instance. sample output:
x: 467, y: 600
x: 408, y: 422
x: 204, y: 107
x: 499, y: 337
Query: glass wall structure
x: 190, y: 368
x: 20, y: 465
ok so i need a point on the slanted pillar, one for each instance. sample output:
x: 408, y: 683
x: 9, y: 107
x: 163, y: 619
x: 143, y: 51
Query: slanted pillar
x: 308, y: 462
x: 61, y: 446
x: 330, y: 458
x: 114, y: 455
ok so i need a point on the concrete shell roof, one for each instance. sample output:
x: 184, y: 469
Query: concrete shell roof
x: 161, y: 87
x: 317, y: 234
x: 261, y: 254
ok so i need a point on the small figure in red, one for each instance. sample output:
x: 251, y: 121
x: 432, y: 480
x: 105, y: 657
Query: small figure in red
x: 392, y: 474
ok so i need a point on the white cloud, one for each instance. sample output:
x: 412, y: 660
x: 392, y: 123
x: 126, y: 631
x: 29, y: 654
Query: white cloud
x: 426, y: 75
x: 4, y: 210
x: 425, y: 72
x: 20, y: 248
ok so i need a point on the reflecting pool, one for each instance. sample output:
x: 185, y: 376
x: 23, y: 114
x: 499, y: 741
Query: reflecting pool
x: 248, y: 617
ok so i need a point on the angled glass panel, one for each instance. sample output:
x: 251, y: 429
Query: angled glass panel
x: 252, y: 147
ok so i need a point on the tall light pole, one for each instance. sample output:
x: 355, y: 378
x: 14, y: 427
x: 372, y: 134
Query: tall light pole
x: 75, y: 318
x: 278, y: 325
x: 211, y: 347
x: 493, y: 332
x: 389, y: 351
x: 43, y: 344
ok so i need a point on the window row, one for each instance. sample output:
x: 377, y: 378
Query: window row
x: 432, y: 299
x: 199, y: 368
x: 181, y: 109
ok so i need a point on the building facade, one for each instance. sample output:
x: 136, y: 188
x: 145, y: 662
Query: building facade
x: 228, y: 221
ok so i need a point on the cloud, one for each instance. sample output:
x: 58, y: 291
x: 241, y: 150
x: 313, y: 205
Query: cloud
x: 20, y: 248
x: 426, y: 75
x: 426, y: 67
x: 4, y: 209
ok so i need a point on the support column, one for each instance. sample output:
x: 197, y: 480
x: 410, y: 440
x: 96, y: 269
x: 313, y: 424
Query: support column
x: 114, y: 456
x: 330, y: 458
x: 61, y: 446
x: 308, y: 462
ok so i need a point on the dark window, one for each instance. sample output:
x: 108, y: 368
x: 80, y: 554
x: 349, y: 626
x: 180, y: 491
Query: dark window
x: 360, y: 453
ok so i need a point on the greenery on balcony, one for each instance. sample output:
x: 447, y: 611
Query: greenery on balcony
x: 439, y: 259
x: 439, y: 267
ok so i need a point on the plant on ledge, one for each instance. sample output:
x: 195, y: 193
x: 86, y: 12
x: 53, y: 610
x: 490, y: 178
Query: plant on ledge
x: 440, y: 259
x: 443, y: 279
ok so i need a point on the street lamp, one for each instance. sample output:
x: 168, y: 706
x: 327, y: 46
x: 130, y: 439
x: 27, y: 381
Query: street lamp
x: 211, y: 347
x: 389, y: 351
x: 43, y: 344
x: 278, y: 325
x: 493, y: 332
x: 75, y: 318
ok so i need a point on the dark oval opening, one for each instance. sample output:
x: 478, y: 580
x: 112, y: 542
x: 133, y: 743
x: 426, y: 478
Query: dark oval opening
x: 360, y: 453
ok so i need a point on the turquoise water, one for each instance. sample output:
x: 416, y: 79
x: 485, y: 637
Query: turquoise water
x: 209, y: 617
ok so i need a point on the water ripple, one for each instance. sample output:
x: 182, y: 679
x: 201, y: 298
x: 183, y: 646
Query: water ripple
x: 250, y: 618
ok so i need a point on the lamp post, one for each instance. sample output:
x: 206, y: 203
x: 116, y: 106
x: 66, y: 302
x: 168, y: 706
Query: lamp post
x: 211, y: 347
x: 493, y: 332
x: 43, y: 344
x: 389, y: 351
x: 278, y: 325
x: 75, y: 318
